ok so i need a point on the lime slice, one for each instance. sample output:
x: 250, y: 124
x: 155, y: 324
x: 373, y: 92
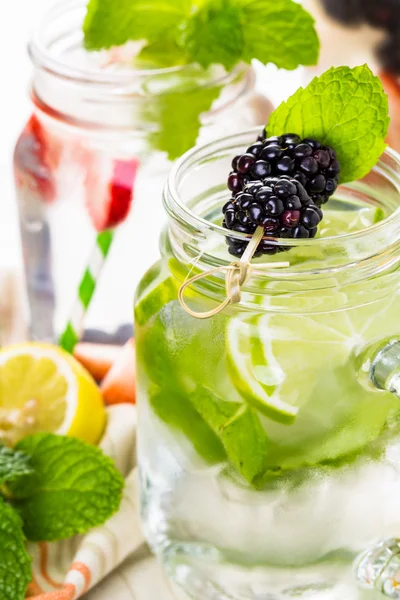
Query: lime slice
x: 154, y: 301
x: 263, y: 350
x: 255, y: 374
x: 300, y: 370
x: 338, y: 220
x: 159, y: 290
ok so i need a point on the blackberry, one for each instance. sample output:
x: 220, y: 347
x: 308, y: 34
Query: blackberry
x: 280, y: 205
x: 315, y: 166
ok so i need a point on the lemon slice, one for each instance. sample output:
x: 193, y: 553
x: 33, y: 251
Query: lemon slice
x: 42, y: 388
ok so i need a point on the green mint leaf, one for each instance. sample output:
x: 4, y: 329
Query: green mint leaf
x: 114, y: 22
x: 74, y: 487
x: 199, y: 32
x: 280, y: 32
x: 175, y: 117
x: 346, y: 109
x: 15, y: 562
x: 239, y: 428
x: 175, y: 409
x: 163, y: 54
x: 206, y: 31
x: 214, y: 35
x: 13, y: 464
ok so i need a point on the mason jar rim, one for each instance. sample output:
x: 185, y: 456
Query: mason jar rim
x: 177, y: 209
x: 42, y: 58
x: 363, y: 264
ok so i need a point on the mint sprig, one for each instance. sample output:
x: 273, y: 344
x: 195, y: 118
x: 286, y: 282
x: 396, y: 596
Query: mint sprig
x: 207, y: 31
x: 214, y: 34
x: 112, y: 23
x: 279, y: 32
x: 239, y: 429
x: 176, y: 123
x: 73, y: 487
x: 53, y: 487
x: 199, y: 32
x: 346, y: 109
x: 13, y: 465
x: 163, y: 54
x: 15, y: 563
x: 174, y: 409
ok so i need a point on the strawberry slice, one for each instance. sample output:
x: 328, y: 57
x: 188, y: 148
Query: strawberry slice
x: 109, y: 192
x: 36, y: 157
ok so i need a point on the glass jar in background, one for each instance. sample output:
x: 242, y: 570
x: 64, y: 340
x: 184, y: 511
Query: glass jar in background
x: 92, y: 147
x: 12, y: 310
x: 268, y: 441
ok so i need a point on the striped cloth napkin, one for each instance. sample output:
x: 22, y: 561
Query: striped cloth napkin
x: 69, y: 569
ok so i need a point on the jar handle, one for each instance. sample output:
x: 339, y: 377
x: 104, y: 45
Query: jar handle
x: 385, y: 368
x: 378, y: 568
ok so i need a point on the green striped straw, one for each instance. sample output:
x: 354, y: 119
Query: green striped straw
x: 87, y: 287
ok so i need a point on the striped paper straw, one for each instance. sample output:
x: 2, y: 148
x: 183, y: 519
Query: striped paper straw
x: 87, y: 287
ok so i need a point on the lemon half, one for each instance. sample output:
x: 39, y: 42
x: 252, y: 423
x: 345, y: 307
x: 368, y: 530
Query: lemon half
x: 44, y: 389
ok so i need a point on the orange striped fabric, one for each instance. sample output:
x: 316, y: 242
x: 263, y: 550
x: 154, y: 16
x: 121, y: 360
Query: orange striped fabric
x: 67, y: 593
x: 68, y: 569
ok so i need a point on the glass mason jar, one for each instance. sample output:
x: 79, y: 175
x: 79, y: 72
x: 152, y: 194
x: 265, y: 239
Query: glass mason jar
x: 92, y: 145
x: 269, y: 433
